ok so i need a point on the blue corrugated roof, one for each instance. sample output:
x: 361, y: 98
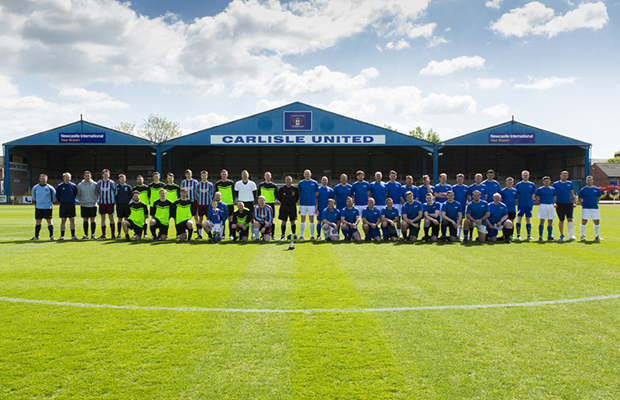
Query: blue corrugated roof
x: 513, y: 133
x: 271, y: 124
x: 81, y: 133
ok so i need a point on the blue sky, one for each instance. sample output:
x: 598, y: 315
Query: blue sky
x: 453, y: 66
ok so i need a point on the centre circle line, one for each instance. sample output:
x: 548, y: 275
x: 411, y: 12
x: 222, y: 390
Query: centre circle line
x: 310, y: 310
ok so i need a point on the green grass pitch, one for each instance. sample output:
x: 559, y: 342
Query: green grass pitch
x: 170, y: 347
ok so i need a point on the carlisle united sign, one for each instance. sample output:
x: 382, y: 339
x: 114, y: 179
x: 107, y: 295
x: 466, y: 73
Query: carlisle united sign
x: 298, y: 121
x: 298, y: 140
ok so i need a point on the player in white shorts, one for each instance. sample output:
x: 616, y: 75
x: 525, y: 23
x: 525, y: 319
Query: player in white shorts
x: 546, y: 196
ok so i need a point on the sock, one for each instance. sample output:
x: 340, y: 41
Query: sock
x: 444, y: 228
x: 153, y: 231
x: 571, y: 228
x: 318, y: 229
x: 458, y: 231
x: 62, y: 233
x: 507, y: 233
x: 103, y: 229
x: 143, y: 230
x: 398, y: 231
x: 119, y: 226
x: 529, y: 229
x: 311, y: 228
x: 199, y: 226
x: 211, y: 234
x: 471, y: 234
x: 37, y: 230
x: 256, y: 233
x: 597, y: 230
x: 93, y: 226
x: 190, y: 231
x: 541, y: 229
x: 518, y: 228
x: 302, y: 228
x: 112, y: 229
x: 85, y: 226
x: 283, y: 228
x: 583, y: 230
x: 426, y: 228
x: 72, y: 232
x: 384, y: 231
x: 404, y: 233
x: 51, y: 229
x: 294, y: 228
x: 550, y: 231
x: 465, y: 233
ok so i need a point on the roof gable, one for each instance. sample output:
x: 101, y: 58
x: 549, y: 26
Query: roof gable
x: 513, y: 133
x: 314, y: 126
x: 612, y: 170
x: 81, y: 133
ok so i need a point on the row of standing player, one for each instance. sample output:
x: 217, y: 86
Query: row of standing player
x: 108, y: 193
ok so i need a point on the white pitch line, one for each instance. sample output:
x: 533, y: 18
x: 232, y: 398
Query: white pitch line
x: 311, y: 310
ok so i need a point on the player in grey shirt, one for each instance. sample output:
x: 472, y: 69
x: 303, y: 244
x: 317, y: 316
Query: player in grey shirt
x: 87, y: 196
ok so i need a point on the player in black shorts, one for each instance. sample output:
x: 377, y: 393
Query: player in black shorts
x: 242, y: 221
x: 288, y: 196
x: 123, y: 198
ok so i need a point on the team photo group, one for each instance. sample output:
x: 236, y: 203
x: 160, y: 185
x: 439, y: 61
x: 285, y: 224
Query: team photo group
x: 385, y: 210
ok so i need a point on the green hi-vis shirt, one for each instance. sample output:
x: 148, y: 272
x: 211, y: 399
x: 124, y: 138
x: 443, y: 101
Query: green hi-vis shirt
x: 144, y: 193
x: 138, y: 212
x: 242, y: 216
x: 268, y: 190
x: 154, y: 192
x: 226, y: 189
x: 182, y: 210
x: 173, y: 192
x: 161, y: 211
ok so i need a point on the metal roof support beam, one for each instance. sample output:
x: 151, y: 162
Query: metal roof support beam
x: 436, y: 165
x: 587, y: 170
x: 159, y: 151
x: 7, y: 172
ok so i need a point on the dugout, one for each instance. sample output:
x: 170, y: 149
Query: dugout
x: 511, y: 147
x: 74, y: 148
x: 291, y: 138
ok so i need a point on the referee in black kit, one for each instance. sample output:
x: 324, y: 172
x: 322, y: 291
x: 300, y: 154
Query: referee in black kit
x: 288, y: 196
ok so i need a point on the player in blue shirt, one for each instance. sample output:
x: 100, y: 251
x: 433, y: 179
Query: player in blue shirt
x: 390, y: 225
x: 509, y: 197
x: 589, y: 198
x: 545, y: 196
x: 325, y: 193
x: 413, y: 212
x: 565, y: 204
x: 378, y: 191
x: 349, y: 218
x: 451, y: 218
x: 308, y: 192
x: 371, y: 221
x: 441, y: 189
x: 215, y: 219
x: 66, y: 194
x: 460, y: 195
x: 432, y: 218
x: 425, y: 188
x: 477, y: 185
x: 43, y: 197
x: 342, y: 191
x: 393, y: 190
x: 491, y: 186
x: 330, y: 219
x: 498, y: 220
x: 408, y: 187
x: 361, y: 192
x: 525, y: 202
x: 475, y: 216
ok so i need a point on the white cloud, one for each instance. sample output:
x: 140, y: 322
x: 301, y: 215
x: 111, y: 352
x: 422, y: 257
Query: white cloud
x: 436, y: 41
x: 545, y: 83
x: 494, y: 4
x: 447, y: 67
x: 200, y: 122
x: 24, y: 114
x: 536, y: 19
x: 70, y: 43
x: 488, y: 83
x: 318, y: 80
x: 401, y: 44
x: 500, y: 110
x: 441, y: 104
x: 264, y: 104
